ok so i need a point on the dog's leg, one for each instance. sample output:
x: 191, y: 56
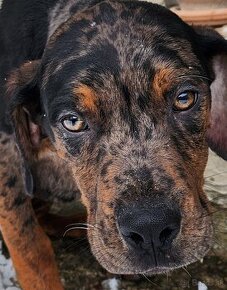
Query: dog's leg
x: 29, y: 247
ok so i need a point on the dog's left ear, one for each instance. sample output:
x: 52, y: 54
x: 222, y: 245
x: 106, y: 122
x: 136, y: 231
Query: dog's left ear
x: 214, y: 53
x: 23, y: 96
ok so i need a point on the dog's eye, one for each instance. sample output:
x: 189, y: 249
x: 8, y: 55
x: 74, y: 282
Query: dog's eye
x: 74, y: 123
x: 185, y: 101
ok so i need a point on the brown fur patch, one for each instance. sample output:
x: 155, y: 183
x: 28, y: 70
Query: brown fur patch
x: 86, y: 96
x: 32, y: 256
x: 46, y: 148
x: 162, y: 80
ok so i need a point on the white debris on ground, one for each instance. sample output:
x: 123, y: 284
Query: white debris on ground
x: 7, y: 273
x: 111, y: 284
x: 202, y: 286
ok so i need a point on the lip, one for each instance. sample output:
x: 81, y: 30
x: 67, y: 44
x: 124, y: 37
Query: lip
x: 144, y: 268
x: 149, y: 271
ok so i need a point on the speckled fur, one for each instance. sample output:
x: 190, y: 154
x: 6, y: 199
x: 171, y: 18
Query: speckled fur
x: 28, y: 245
x: 119, y: 64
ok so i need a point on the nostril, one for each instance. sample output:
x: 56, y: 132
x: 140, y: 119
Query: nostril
x: 150, y: 229
x: 134, y: 238
x: 167, y: 236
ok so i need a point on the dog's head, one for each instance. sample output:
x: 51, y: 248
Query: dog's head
x: 123, y: 92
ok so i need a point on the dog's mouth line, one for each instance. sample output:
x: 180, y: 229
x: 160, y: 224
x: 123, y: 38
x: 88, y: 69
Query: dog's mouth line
x: 109, y: 261
x: 152, y: 270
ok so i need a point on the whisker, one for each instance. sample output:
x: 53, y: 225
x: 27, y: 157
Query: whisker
x: 74, y: 228
x: 185, y: 269
x: 216, y: 231
x: 102, y: 201
x: 216, y: 174
x: 219, y: 243
x: 122, y: 259
x: 151, y: 282
x: 86, y: 250
x: 195, y: 75
x: 211, y: 213
x: 194, y: 256
x: 167, y: 277
x: 206, y: 186
x: 81, y: 224
x: 77, y: 243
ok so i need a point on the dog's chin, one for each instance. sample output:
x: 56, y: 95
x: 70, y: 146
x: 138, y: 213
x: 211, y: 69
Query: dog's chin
x: 128, y: 268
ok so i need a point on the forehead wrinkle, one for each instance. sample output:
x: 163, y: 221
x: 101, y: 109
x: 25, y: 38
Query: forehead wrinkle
x: 88, y: 13
x: 99, y: 58
x: 121, y: 42
x: 54, y: 67
x: 142, y: 48
x: 85, y: 48
x: 59, y: 14
x: 66, y: 26
x: 126, y: 54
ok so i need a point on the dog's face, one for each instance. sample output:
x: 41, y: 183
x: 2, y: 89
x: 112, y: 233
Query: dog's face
x: 124, y: 96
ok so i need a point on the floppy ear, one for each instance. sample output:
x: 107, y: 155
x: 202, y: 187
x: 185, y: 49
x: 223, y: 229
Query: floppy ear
x: 214, y: 49
x: 25, y: 112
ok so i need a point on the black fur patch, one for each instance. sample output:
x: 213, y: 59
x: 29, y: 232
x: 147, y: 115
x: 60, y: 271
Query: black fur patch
x: 11, y: 181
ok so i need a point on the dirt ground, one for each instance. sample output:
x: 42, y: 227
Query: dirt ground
x: 80, y: 271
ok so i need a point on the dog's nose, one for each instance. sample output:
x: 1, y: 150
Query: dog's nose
x: 149, y: 228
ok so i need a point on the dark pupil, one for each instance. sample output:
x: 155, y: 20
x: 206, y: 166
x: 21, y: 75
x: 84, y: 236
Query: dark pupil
x: 183, y: 99
x: 73, y: 120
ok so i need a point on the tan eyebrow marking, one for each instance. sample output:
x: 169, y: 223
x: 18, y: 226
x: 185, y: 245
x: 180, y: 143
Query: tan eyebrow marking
x: 86, y: 96
x: 162, y: 80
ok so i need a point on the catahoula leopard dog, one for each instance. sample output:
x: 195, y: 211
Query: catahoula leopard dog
x: 114, y: 103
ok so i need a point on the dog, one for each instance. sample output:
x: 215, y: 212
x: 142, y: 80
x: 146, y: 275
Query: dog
x: 114, y: 103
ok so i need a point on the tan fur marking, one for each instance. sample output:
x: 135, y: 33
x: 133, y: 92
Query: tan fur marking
x: 162, y: 80
x: 46, y: 148
x: 32, y: 255
x: 87, y: 97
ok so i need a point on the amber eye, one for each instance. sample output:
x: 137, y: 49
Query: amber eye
x: 74, y: 123
x: 185, y: 101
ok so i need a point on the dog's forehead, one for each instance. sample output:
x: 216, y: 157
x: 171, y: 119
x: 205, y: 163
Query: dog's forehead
x: 126, y: 42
